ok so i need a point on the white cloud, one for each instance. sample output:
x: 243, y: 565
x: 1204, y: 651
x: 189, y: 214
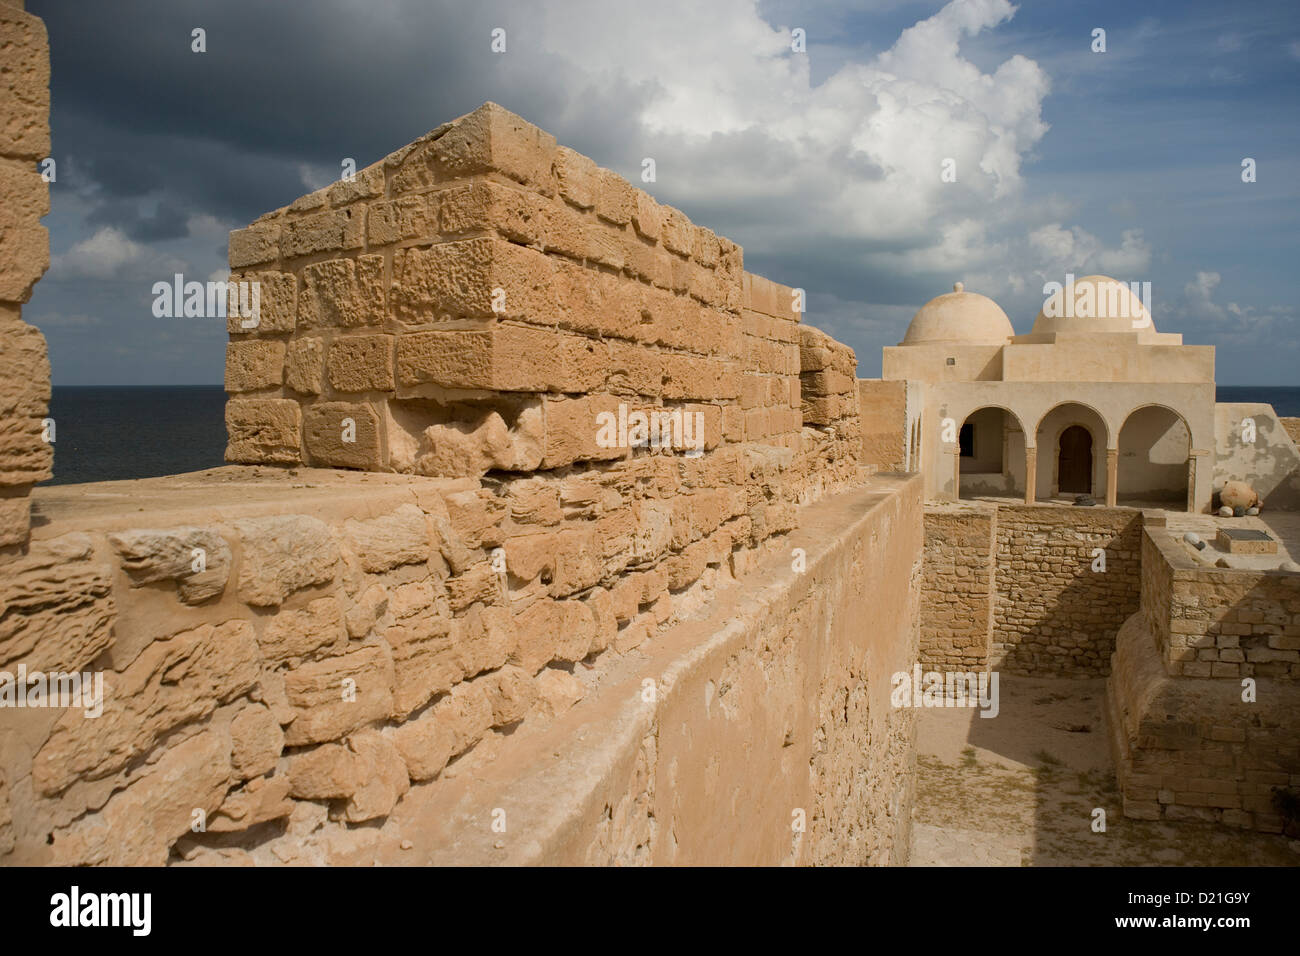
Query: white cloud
x: 110, y: 254
x: 850, y: 166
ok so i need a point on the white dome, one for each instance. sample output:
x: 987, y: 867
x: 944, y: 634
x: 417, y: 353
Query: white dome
x: 1095, y: 304
x: 959, y: 318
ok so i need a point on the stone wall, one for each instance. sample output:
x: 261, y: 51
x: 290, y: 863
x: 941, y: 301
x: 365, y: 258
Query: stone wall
x: 287, y: 652
x: 1203, y: 695
x: 883, y: 410
x: 25, y: 455
x: 957, y: 590
x: 767, y: 735
x: 1054, y: 613
x: 348, y: 637
x: 1218, y: 622
x: 479, y: 299
x: 1013, y: 587
x: 1269, y: 462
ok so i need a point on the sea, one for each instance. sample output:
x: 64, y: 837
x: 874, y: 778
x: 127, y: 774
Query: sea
x: 107, y: 433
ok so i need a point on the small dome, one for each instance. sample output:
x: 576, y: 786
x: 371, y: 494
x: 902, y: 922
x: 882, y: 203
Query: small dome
x: 959, y: 318
x: 1095, y: 304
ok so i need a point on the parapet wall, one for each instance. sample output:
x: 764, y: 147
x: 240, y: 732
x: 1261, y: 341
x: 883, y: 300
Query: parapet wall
x: 484, y: 300
x: 25, y: 455
x: 288, y: 652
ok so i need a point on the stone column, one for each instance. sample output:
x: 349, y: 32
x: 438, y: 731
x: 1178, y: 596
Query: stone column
x: 1112, y: 476
x: 1031, y: 472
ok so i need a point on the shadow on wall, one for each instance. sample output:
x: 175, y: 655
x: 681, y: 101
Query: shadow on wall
x: 1253, y: 445
x: 1064, y: 584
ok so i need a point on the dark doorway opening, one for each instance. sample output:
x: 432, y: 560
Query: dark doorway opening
x: 1075, y: 466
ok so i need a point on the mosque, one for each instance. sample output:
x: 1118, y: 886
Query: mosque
x: 1091, y: 402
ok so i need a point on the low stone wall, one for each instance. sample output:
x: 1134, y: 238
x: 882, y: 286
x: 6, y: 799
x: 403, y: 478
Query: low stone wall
x: 291, y: 653
x: 957, y: 589
x: 1054, y: 613
x: 1192, y: 739
x: 758, y: 733
x: 1218, y: 622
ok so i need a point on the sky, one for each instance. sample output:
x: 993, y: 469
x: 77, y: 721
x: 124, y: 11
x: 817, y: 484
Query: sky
x: 826, y: 165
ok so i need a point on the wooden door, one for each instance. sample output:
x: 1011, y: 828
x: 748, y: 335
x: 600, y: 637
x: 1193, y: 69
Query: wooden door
x: 1075, y: 469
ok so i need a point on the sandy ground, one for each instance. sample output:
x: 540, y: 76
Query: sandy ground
x: 1020, y: 790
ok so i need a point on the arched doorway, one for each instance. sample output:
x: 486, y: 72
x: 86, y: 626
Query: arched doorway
x: 990, y: 448
x: 1071, y: 441
x: 1154, y: 451
x: 1074, y: 462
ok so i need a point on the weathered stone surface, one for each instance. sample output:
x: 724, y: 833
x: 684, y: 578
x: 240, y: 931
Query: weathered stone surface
x: 333, y: 230
x: 263, y: 431
x: 315, y: 631
x: 171, y: 683
x: 343, y: 435
x: 258, y: 801
x: 56, y: 606
x: 557, y: 691
x: 448, y: 728
x: 197, y: 559
x: 342, y: 292
x: 362, y: 363
x: 367, y: 770
x: 304, y: 367
x: 138, y: 826
x: 332, y: 697
x: 25, y: 85
x: 25, y: 456
x: 388, y: 541
x: 282, y: 554
x: 365, y: 611
x: 256, y: 741
x: 382, y: 774
x: 511, y: 692
x: 254, y: 364
x: 276, y: 300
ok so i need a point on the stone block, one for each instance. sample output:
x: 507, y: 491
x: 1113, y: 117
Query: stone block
x: 334, y: 230
x: 24, y: 85
x: 316, y: 630
x: 258, y: 244
x: 304, y: 366
x: 362, y: 363
x: 335, y: 696
x: 275, y: 296
x: 256, y: 741
x: 263, y: 431
x: 342, y: 293
x: 343, y: 435
x: 254, y: 364
x: 197, y: 559
x: 282, y: 554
